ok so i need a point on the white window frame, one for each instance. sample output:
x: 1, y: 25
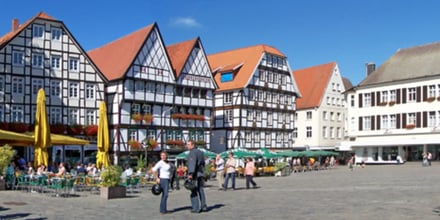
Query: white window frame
x: 385, y: 122
x: 90, y: 91
x: 73, y: 64
x: 55, y: 88
x: 366, y: 123
x: 384, y: 96
x: 90, y: 117
x: 37, y: 60
x: 17, y: 113
x: 56, y: 34
x: 309, y: 132
x: 17, y: 85
x: 38, y: 31
x: 431, y: 91
x: 228, y: 115
x: 17, y: 58
x: 55, y: 115
x: 392, y: 95
x: 227, y: 97
x: 73, y: 116
x: 432, y: 119
x: 55, y: 62
x: 393, y: 122
x: 411, y: 119
x: 73, y: 90
x: 412, y: 94
x: 36, y: 85
x: 367, y: 99
x: 269, y: 118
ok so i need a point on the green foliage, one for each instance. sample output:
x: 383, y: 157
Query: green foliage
x: 6, y: 155
x: 141, y: 163
x: 111, y: 176
x: 279, y: 166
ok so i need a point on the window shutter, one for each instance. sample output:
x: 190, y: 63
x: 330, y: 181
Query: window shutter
x: 360, y: 124
x: 425, y: 119
x: 419, y: 94
x: 398, y: 96
x: 378, y: 98
x: 418, y: 119
x: 360, y: 100
x: 404, y: 95
x: 373, y: 103
x: 425, y: 92
x: 398, y: 121
x: 403, y: 120
x: 372, y: 122
x: 377, y: 122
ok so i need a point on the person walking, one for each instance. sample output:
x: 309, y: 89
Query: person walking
x: 249, y: 173
x: 230, y: 171
x: 220, y: 171
x: 196, y: 166
x: 161, y: 173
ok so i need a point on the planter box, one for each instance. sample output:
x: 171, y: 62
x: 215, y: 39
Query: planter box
x: 113, y: 192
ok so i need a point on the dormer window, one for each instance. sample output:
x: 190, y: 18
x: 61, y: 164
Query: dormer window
x: 226, y: 77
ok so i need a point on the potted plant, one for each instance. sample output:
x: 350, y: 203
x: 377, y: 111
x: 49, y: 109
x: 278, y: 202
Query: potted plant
x: 6, y: 155
x: 137, y: 117
x: 91, y: 130
x: 148, y: 118
x: 109, y: 185
x: 134, y: 145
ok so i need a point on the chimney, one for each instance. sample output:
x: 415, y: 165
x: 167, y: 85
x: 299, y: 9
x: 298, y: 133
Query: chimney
x: 15, y: 24
x: 370, y: 67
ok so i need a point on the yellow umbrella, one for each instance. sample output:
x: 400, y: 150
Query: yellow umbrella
x: 102, y: 160
x: 42, y: 131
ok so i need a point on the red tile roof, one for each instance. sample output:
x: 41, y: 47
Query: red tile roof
x: 245, y: 60
x: 312, y: 82
x: 10, y: 35
x: 114, y: 58
x: 179, y: 54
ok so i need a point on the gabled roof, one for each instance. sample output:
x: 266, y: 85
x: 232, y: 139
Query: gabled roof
x: 179, y: 54
x: 10, y: 35
x: 244, y: 61
x: 410, y: 63
x: 114, y: 58
x: 312, y: 82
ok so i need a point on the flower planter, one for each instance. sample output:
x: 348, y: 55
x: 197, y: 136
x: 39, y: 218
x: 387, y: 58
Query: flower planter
x: 148, y: 118
x: 113, y: 192
x: 137, y: 117
x: 91, y: 130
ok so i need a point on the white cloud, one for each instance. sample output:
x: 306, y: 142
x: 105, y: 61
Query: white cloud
x: 185, y: 22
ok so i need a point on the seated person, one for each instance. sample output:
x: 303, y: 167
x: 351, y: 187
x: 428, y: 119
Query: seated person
x: 41, y: 171
x: 61, y: 171
x: 29, y: 169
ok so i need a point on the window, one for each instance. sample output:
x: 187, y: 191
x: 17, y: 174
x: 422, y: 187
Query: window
x: 339, y: 116
x: 228, y: 98
x: 73, y: 64
x: 38, y: 31
x: 392, y: 121
x: 55, y: 116
x: 384, y: 97
x: 90, y: 117
x: 332, y: 132
x: 55, y: 88
x: 257, y: 137
x: 325, y: 115
x: 308, y: 131
x: 248, y: 137
x: 226, y: 77
x: 328, y: 100
x: 56, y: 34
x: 136, y: 108
x: 151, y: 88
x: 73, y: 89
x: 411, y: 120
x: 17, y: 86
x: 146, y: 109
x: 367, y: 100
x: 73, y: 116
x: 352, y: 101
x: 432, y: 120
x: 251, y: 95
x: 283, y: 79
x: 90, y: 91
x: 412, y: 94
x: 17, y: 113
x: 268, y: 138
x: 309, y: 115
x: 258, y: 115
x: 17, y: 58
x: 367, y: 123
x: 36, y: 85
x: 384, y: 123
x: 55, y: 62
x: 250, y: 115
x: 263, y: 75
x: 37, y: 60
x: 324, y: 132
x: 295, y: 132
x: 228, y: 116
x: 332, y: 116
x: 431, y: 91
x: 392, y: 95
x: 338, y: 133
x: 269, y: 118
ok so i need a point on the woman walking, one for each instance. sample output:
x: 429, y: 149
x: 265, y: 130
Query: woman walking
x: 249, y: 173
x: 161, y: 173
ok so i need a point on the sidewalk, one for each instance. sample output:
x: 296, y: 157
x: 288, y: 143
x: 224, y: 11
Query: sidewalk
x: 408, y: 191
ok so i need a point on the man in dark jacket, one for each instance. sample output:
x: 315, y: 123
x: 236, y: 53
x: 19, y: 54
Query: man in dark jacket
x: 196, y: 166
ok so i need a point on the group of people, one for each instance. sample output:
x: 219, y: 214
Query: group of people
x: 230, y: 165
x: 162, y: 172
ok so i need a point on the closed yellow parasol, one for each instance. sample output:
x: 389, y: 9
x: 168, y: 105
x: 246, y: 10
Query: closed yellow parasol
x: 42, y: 138
x: 102, y: 160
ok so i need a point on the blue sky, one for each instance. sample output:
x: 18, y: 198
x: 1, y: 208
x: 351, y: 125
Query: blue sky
x: 308, y: 32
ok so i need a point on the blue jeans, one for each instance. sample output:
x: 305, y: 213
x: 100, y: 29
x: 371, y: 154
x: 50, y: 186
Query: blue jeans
x: 164, y: 184
x: 198, y: 193
x: 228, y: 176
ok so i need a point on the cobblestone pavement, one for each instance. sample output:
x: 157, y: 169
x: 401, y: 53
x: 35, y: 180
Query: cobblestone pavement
x: 408, y: 191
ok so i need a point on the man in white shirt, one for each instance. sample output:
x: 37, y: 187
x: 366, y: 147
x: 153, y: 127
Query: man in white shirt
x: 220, y: 171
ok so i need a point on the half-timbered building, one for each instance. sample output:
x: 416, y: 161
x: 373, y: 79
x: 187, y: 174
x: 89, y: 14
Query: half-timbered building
x: 42, y: 53
x: 140, y: 92
x: 395, y: 110
x: 320, y: 113
x: 254, y: 104
x: 194, y: 92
